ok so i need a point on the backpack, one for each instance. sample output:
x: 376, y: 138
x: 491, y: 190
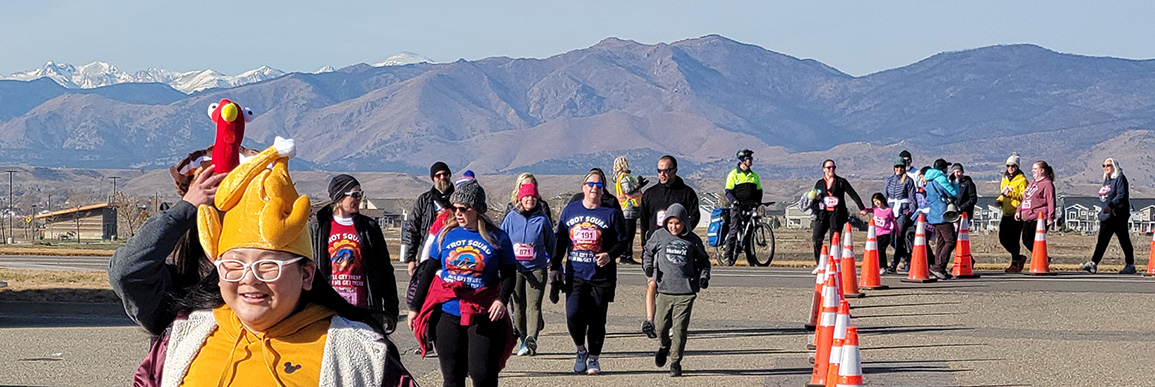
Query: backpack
x: 716, y: 233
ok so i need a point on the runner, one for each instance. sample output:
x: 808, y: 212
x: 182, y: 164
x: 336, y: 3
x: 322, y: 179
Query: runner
x: 589, y: 235
x: 830, y: 205
x: 352, y: 253
x: 1038, y: 202
x: 900, y: 192
x: 676, y: 257
x: 425, y: 209
x: 1011, y: 190
x: 940, y: 191
x: 533, y: 239
x: 628, y: 190
x: 465, y: 303
x: 670, y: 189
x: 1115, y: 196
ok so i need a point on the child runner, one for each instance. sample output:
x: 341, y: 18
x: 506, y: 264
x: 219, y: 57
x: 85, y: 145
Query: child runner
x: 678, y: 262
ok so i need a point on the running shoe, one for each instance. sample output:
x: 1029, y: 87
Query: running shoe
x: 530, y: 344
x: 660, y: 357
x: 579, y: 364
x: 522, y: 350
x: 1089, y: 266
x: 675, y: 370
x: 1129, y: 269
x: 594, y: 367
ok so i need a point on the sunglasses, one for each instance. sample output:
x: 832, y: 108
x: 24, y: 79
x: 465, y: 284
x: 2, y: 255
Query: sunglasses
x: 1107, y: 165
x: 441, y: 175
x: 456, y: 209
x: 829, y: 167
x: 666, y: 171
x: 745, y: 158
x: 355, y: 194
x: 595, y: 184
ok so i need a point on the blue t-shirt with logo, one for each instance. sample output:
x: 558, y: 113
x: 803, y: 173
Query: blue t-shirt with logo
x: 468, y: 258
x: 589, y: 232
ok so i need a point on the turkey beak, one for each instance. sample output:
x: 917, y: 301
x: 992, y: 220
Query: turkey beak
x: 230, y: 112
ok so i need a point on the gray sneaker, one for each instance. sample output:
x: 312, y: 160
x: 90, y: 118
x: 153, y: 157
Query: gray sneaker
x: 595, y: 367
x: 1129, y: 269
x: 1089, y: 266
x: 579, y: 363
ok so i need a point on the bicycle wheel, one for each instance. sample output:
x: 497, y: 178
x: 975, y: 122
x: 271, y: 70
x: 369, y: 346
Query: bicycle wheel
x: 720, y: 256
x: 760, y: 245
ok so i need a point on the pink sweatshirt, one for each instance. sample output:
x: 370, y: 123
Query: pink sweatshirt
x: 883, y: 221
x: 1038, y: 201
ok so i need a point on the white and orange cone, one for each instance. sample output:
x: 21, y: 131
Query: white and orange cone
x: 1151, y: 259
x: 919, y: 271
x: 824, y: 335
x: 962, y: 252
x: 871, y: 280
x: 1040, y: 260
x: 850, y: 367
x: 849, y: 276
x: 840, y: 325
x: 817, y: 299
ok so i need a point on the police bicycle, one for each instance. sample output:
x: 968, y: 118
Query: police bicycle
x: 755, y: 238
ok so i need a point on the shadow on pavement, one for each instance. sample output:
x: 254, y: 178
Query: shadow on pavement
x: 62, y: 314
x: 686, y: 372
x: 919, y: 346
x: 906, y: 315
x: 59, y: 295
x: 853, y: 307
x: 885, y: 330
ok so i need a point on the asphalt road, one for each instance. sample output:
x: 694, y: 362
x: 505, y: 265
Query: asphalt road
x: 1005, y: 330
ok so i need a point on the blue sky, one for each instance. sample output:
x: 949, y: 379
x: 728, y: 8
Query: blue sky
x: 857, y: 37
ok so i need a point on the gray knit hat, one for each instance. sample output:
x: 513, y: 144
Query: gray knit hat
x: 955, y: 167
x: 470, y: 194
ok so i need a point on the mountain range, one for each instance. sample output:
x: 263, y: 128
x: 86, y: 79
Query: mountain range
x: 699, y: 99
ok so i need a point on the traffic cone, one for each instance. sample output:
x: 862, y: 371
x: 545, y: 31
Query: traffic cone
x: 840, y: 325
x: 849, y: 276
x: 1151, y: 259
x: 817, y: 300
x: 850, y: 367
x: 836, y: 257
x: 919, y: 271
x: 832, y: 276
x: 1040, y: 263
x: 962, y: 252
x: 870, y: 278
x: 824, y: 335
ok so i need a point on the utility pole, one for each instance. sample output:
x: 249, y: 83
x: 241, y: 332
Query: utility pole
x: 112, y: 201
x: 10, y: 173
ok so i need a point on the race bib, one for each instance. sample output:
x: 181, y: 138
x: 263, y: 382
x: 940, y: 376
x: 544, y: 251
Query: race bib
x: 830, y: 201
x: 585, y: 235
x: 880, y: 222
x: 523, y: 251
x: 1104, y: 190
x: 661, y: 218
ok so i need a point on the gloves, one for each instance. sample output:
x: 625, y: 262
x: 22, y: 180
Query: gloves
x: 555, y: 281
x: 703, y: 283
x: 642, y: 182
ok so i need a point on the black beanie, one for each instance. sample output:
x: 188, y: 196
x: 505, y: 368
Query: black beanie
x: 904, y: 153
x: 340, y: 185
x: 941, y: 165
x: 438, y: 167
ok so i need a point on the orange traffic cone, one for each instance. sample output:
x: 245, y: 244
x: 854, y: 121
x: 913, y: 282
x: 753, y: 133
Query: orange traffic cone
x: 849, y: 276
x: 840, y: 325
x: 919, y: 271
x: 962, y: 252
x: 817, y: 300
x: 824, y: 335
x: 870, y: 265
x: 1040, y: 262
x: 1151, y: 259
x: 836, y: 257
x: 850, y: 367
x: 831, y: 274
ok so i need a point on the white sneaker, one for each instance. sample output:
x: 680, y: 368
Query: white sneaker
x: 594, y: 367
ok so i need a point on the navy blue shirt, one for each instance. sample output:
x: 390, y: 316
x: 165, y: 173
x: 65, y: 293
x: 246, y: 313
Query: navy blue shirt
x: 583, y: 233
x: 466, y: 257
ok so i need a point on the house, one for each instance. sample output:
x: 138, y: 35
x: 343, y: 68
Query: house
x: 796, y: 218
x: 83, y: 223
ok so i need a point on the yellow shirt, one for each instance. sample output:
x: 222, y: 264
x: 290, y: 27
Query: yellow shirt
x: 1010, y: 203
x: 287, y: 354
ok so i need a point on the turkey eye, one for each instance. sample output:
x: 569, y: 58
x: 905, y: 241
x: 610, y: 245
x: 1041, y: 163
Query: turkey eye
x: 249, y: 115
x: 213, y: 108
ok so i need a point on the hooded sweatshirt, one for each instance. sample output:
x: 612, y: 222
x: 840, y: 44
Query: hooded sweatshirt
x: 676, y: 262
x: 1115, y: 198
x: 532, y: 236
x: 1010, y: 202
x: 659, y: 198
x: 289, y: 353
x: 1038, y: 201
x: 943, y: 181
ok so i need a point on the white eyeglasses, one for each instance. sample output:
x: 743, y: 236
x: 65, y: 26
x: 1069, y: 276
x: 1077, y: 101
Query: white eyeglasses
x: 265, y: 270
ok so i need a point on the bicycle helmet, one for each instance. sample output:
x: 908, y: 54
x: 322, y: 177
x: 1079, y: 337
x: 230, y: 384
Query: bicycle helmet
x: 744, y: 154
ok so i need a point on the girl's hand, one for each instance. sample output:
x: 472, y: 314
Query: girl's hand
x: 409, y: 321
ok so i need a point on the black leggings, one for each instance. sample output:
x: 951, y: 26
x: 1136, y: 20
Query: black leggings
x: 631, y: 230
x: 476, y: 349
x: 883, y: 241
x: 586, y: 308
x: 824, y: 227
x: 1009, y: 232
x: 1116, y: 226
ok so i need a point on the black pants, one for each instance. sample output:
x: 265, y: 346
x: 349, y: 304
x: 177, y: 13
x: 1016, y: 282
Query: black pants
x: 1009, y: 232
x: 824, y: 227
x: 945, y: 236
x: 586, y: 307
x: 1116, y: 226
x: 631, y: 231
x: 732, y: 233
x: 883, y: 241
x: 902, y: 223
x: 910, y: 236
x: 476, y: 349
x: 1029, y: 234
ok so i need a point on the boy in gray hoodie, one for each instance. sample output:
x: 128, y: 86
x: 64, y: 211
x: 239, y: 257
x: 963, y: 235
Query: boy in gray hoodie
x: 677, y: 260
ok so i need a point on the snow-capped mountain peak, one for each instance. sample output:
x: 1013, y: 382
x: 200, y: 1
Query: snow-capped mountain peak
x: 403, y: 58
x: 98, y: 74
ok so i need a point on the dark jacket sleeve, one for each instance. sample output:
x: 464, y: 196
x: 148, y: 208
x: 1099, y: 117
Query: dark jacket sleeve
x: 507, y: 269
x: 422, y: 278
x: 412, y: 232
x: 694, y: 211
x: 646, y: 218
x: 617, y: 234
x: 561, y: 244
x: 701, y: 259
x: 968, y: 197
x: 853, y: 195
x: 1120, y: 193
x: 139, y: 274
x: 385, y: 280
